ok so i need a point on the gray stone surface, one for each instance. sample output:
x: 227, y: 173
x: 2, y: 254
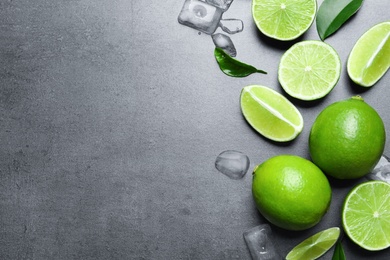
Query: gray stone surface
x: 112, y: 114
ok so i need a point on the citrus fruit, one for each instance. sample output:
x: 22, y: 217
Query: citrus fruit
x: 315, y: 246
x: 309, y: 70
x: 347, y: 139
x: 366, y: 215
x: 270, y: 113
x: 283, y: 20
x: 291, y: 192
x: 370, y: 57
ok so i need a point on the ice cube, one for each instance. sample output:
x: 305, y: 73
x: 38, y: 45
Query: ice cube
x: 200, y: 16
x: 260, y: 243
x: 381, y: 171
x: 223, y: 4
x: 231, y: 26
x: 225, y: 43
x: 232, y: 163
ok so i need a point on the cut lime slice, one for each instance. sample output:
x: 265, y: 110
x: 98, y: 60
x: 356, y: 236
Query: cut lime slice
x: 315, y: 246
x: 309, y: 70
x: 270, y: 113
x: 370, y: 57
x: 366, y: 215
x: 284, y: 20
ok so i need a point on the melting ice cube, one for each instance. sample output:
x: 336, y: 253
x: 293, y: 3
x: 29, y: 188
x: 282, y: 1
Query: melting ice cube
x: 260, y: 244
x: 223, y: 4
x: 232, y: 163
x: 381, y: 171
x: 231, y: 26
x: 206, y: 16
x: 200, y: 15
x: 225, y: 43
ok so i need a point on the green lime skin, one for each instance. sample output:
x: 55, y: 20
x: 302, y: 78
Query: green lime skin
x: 291, y: 192
x: 347, y: 139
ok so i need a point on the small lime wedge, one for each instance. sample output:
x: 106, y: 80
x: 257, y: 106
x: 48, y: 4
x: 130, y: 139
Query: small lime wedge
x: 370, y: 57
x: 366, y: 215
x: 283, y: 20
x: 309, y: 70
x: 315, y: 246
x: 270, y: 113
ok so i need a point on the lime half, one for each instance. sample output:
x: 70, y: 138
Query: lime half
x: 366, y: 215
x: 283, y: 20
x: 309, y: 70
x: 370, y: 57
x: 270, y: 113
x: 315, y: 246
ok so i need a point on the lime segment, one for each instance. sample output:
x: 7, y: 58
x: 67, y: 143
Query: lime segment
x: 284, y: 20
x: 366, y: 215
x: 309, y: 70
x: 370, y: 57
x: 270, y: 113
x: 315, y: 246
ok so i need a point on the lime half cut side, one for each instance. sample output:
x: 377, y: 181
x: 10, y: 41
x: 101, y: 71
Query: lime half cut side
x: 366, y: 215
x: 270, y: 113
x: 309, y: 70
x: 283, y: 19
x: 370, y: 57
x: 315, y: 246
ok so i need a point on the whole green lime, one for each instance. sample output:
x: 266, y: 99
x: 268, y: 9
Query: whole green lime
x: 347, y: 139
x: 291, y: 192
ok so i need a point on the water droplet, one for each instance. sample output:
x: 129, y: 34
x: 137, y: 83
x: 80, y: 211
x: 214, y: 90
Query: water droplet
x: 232, y: 163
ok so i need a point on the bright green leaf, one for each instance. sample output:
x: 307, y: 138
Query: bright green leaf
x: 338, y: 252
x: 332, y: 14
x: 233, y: 67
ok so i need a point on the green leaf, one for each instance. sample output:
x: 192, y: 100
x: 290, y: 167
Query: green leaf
x: 233, y: 67
x: 332, y: 14
x: 338, y: 252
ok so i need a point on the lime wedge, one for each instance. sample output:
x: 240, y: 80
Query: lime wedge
x: 309, y: 70
x: 315, y: 246
x: 366, y: 215
x: 283, y: 20
x: 270, y: 113
x: 370, y: 57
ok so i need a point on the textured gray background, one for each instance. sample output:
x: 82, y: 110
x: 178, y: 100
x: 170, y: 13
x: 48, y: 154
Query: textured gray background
x: 112, y: 114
